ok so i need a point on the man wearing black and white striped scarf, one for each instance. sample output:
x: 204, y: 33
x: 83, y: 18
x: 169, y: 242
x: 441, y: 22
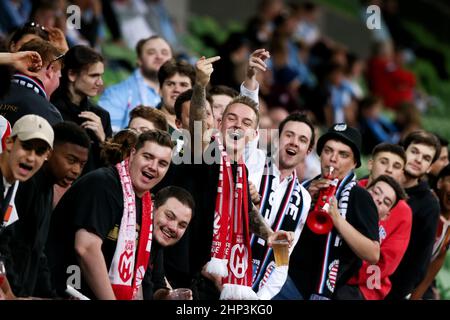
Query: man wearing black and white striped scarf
x: 321, y: 264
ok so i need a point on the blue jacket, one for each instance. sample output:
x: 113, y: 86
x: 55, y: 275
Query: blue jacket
x: 121, y: 98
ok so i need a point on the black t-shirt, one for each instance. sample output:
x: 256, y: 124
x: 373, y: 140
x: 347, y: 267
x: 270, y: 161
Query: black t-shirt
x: 307, y: 256
x: 26, y: 238
x: 413, y: 267
x: 95, y: 203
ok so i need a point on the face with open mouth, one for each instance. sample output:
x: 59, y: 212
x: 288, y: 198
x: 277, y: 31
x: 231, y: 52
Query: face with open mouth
x: 67, y: 163
x: 238, y: 127
x: 148, y: 166
x: 26, y: 157
x: 170, y: 222
x: 294, y: 144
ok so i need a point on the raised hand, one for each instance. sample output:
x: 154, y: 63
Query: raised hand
x: 257, y: 63
x: 281, y: 235
x: 316, y: 185
x: 58, y: 39
x: 204, y: 69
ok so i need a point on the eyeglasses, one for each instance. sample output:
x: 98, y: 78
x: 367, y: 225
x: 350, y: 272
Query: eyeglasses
x: 54, y: 60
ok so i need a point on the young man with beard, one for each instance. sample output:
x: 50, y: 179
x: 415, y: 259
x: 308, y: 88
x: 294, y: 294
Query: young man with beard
x: 422, y: 149
x: 25, y: 240
x: 142, y: 87
x: 81, y: 80
x: 103, y: 224
x: 214, y: 173
x: 395, y: 225
x: 321, y: 264
x: 425, y: 290
x: 283, y: 202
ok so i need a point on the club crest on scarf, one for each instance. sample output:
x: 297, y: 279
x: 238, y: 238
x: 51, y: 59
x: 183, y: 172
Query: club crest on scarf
x: 239, y: 260
x: 330, y: 262
x: 126, y: 263
x: 333, y: 269
x: 230, y: 254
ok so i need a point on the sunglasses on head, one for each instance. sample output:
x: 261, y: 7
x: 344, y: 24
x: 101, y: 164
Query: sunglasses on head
x: 54, y: 60
x: 33, y: 24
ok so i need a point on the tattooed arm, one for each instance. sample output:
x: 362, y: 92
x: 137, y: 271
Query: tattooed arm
x: 258, y: 226
x: 197, y: 112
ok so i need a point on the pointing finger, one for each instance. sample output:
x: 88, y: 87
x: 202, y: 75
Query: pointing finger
x: 212, y: 59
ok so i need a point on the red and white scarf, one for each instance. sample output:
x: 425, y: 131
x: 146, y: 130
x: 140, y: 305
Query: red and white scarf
x: 230, y: 250
x: 127, y: 271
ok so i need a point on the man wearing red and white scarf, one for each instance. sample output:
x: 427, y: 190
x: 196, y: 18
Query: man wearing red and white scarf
x: 106, y: 220
x: 233, y: 215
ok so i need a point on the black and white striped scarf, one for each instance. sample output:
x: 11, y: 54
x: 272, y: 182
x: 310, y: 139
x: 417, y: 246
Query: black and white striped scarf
x: 288, y: 216
x: 330, y: 262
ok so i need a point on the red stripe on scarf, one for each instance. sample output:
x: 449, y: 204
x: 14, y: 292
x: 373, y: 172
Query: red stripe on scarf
x: 129, y: 292
x: 230, y: 248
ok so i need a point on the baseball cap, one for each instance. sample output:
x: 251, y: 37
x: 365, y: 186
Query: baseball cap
x: 31, y: 127
x: 345, y: 134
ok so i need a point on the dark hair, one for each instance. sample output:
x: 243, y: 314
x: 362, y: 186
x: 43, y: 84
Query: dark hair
x: 119, y: 147
x: 178, y: 193
x: 187, y: 96
x: 70, y: 132
x: 46, y: 50
x: 309, y: 6
x: 445, y: 172
x: 391, y: 148
x: 426, y: 138
x: 398, y: 189
x: 29, y: 28
x: 225, y: 90
x: 151, y: 114
x: 248, y: 102
x: 368, y: 102
x: 142, y: 42
x: 182, y: 98
x: 442, y: 140
x: 159, y: 137
x: 77, y: 59
x: 299, y: 117
x: 172, y: 67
